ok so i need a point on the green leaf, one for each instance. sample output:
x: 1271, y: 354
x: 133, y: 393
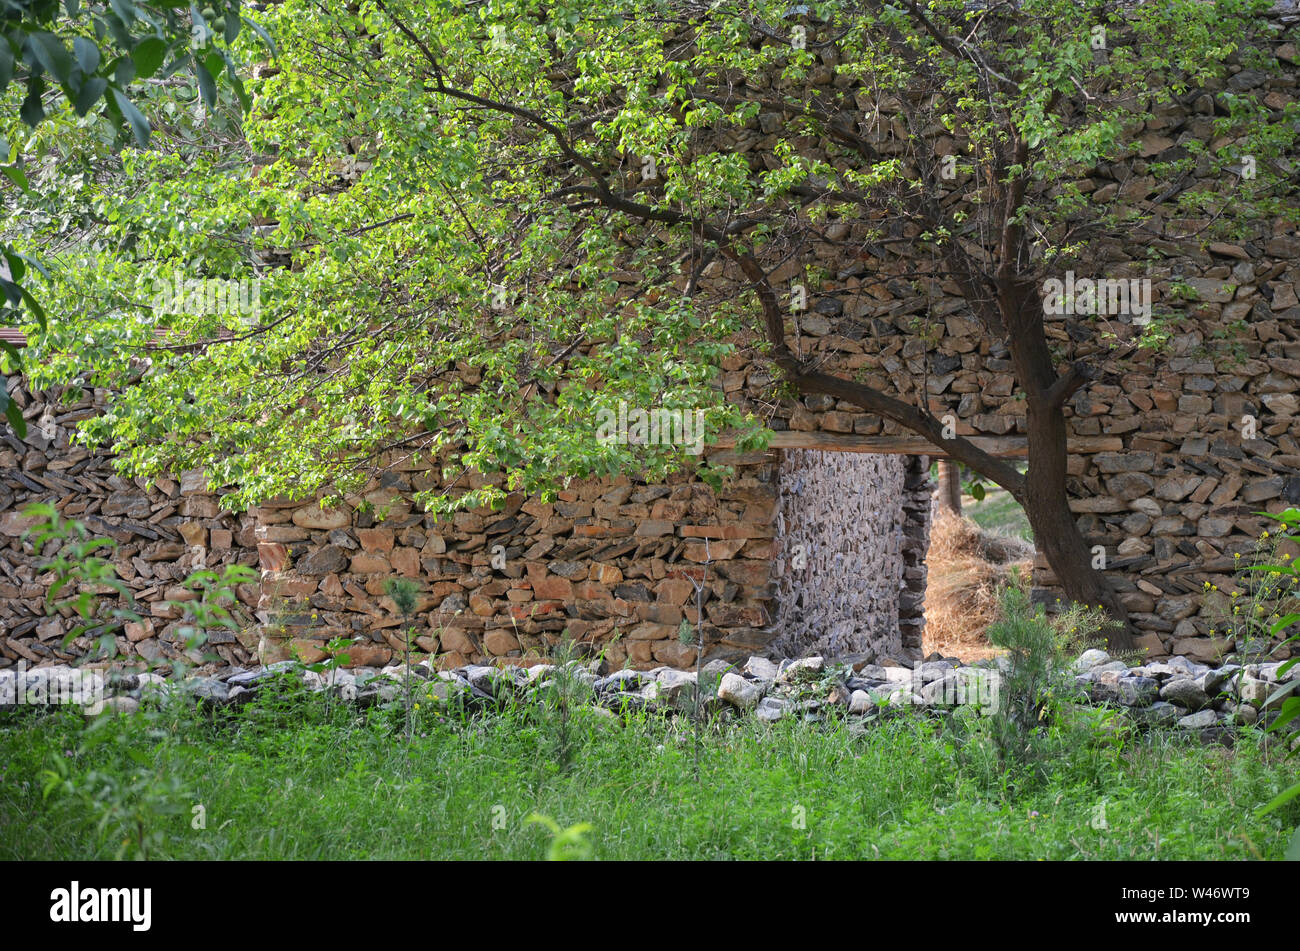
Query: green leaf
x: 1286, y: 620
x: 37, y: 310
x: 87, y: 54
x: 148, y: 55
x: 52, y: 55
x: 207, y: 88
x: 266, y: 37
x: 6, y: 64
x: 13, y: 352
x: 125, y: 10
x: 1292, y: 853
x: 1280, y: 799
x: 15, y: 175
x: 15, y: 417
x: 32, y: 111
x: 1290, y: 710
x: 139, y: 124
x: 89, y: 93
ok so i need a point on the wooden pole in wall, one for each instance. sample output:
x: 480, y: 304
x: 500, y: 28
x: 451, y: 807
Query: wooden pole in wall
x: 949, y: 495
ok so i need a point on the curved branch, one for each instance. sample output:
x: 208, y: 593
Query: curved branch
x: 871, y: 400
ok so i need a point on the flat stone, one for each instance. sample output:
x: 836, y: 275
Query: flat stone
x: 1199, y: 720
x: 324, y: 560
x: 209, y: 689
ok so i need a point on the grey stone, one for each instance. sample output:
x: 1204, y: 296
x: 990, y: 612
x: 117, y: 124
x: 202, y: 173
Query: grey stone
x: 1137, y: 691
x: 1161, y: 713
x: 1184, y: 692
x: 771, y: 709
x: 629, y: 680
x: 121, y: 705
x: 1199, y: 720
x: 1212, y: 682
x: 941, y: 692
x: 1255, y: 691
x: 761, y: 668
x: 1090, y: 659
x: 806, y: 669
x: 739, y: 692
x: 860, y: 702
x: 935, y: 670
x: 1113, y: 667
x: 714, y: 669
x: 487, y: 679
x: 209, y: 689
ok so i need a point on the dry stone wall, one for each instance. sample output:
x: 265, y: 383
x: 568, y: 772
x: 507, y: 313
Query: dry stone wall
x: 1174, y: 449
x: 1172, y: 452
x: 618, y: 564
x: 163, y: 529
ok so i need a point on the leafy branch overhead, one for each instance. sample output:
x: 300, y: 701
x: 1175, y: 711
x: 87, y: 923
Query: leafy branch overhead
x: 478, y: 230
x: 92, y: 58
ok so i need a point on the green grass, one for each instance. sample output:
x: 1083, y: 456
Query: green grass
x: 998, y: 513
x: 289, y: 782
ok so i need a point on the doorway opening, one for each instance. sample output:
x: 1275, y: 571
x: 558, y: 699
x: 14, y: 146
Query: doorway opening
x: 980, y: 541
x: 849, y: 572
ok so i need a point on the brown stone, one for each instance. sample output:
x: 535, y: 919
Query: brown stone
x: 369, y: 564
x: 314, y: 517
x: 674, y: 590
x: 138, y: 630
x: 1204, y: 650
x: 454, y: 639
x: 272, y: 556
x: 194, y: 533
x: 369, y: 655
x: 500, y: 642
x: 553, y: 587
x: 377, y: 539
x: 406, y: 561
x: 308, y: 652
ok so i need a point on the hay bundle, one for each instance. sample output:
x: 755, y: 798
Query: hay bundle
x: 966, y: 569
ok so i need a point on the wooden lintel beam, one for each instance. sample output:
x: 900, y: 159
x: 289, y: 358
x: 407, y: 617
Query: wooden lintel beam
x: 1001, y: 446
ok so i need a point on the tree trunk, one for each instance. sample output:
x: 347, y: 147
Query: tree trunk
x: 1056, y: 533
x: 1045, y: 496
x: 949, y: 497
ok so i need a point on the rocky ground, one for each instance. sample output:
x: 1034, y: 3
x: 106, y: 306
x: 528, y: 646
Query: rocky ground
x: 1177, y: 693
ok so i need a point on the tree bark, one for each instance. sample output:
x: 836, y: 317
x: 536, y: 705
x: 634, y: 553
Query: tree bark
x: 1056, y: 533
x: 949, y: 497
x: 1045, y: 496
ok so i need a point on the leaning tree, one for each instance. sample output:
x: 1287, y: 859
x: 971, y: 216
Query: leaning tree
x: 479, y: 224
